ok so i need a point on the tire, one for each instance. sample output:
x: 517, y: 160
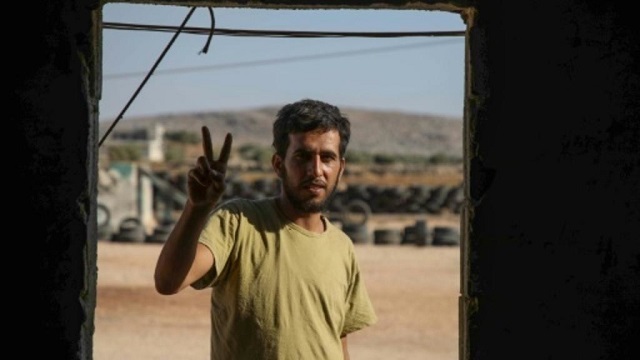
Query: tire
x: 359, y: 234
x: 160, y: 233
x: 130, y: 230
x: 356, y: 212
x: 445, y: 236
x: 409, y: 235
x: 422, y: 233
x: 387, y: 237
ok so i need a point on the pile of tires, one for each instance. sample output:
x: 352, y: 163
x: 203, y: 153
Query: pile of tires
x: 354, y: 218
x: 387, y: 236
x: 359, y: 233
x: 380, y: 198
x: 130, y: 231
x: 161, y: 232
x: 416, y: 234
x: 445, y: 236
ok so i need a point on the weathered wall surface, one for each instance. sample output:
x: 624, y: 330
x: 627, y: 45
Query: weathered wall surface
x: 553, y: 222
x: 54, y: 182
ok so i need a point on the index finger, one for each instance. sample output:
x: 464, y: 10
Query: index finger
x: 206, y: 145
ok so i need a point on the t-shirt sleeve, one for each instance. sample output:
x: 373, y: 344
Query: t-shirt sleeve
x: 360, y: 312
x: 217, y: 237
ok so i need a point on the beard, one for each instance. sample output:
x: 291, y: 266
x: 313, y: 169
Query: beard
x: 307, y: 206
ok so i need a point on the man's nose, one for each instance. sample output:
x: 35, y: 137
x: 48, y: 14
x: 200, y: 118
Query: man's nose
x: 315, y: 166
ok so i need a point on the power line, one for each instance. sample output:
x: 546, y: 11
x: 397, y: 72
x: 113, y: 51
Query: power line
x: 265, y: 33
x: 279, y: 33
x: 276, y: 33
x: 153, y: 68
x: 282, y: 60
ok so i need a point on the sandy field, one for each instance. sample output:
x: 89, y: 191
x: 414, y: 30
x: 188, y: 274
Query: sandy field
x: 414, y: 291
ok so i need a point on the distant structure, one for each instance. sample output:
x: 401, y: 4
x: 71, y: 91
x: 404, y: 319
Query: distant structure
x: 148, y: 140
x: 127, y: 190
x: 123, y: 191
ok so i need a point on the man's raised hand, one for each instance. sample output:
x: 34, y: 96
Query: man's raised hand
x: 206, y: 181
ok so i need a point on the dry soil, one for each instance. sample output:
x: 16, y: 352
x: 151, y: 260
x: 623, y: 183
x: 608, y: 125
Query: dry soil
x: 414, y: 291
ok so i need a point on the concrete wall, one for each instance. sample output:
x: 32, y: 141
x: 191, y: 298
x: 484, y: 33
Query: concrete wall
x: 551, y: 253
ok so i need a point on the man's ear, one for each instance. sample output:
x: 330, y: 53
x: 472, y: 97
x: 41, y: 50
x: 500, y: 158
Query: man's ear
x: 343, y: 164
x: 276, y: 164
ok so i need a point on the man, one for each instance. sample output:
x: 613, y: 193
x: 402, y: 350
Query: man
x: 285, y: 281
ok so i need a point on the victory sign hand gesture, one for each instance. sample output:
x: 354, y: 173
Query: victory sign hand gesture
x: 206, y: 181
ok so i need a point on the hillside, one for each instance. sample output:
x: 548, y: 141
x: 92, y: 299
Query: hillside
x: 372, y: 131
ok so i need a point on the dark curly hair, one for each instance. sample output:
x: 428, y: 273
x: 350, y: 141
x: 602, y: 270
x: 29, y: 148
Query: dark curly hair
x: 309, y: 115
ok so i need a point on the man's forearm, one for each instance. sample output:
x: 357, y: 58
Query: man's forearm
x: 345, y: 348
x: 179, y: 251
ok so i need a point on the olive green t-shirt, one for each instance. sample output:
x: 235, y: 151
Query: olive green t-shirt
x: 278, y: 290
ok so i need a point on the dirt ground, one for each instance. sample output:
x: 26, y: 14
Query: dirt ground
x: 414, y: 291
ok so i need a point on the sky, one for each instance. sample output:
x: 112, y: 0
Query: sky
x: 421, y: 75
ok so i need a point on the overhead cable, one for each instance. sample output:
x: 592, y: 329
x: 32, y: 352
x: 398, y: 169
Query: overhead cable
x: 281, y: 60
x: 153, y: 68
x: 280, y: 33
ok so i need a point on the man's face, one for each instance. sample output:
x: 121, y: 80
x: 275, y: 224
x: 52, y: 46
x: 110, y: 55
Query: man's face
x: 310, y: 170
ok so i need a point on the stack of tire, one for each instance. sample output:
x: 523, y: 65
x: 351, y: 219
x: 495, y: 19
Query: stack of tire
x: 161, y: 232
x: 354, y: 218
x: 387, y: 236
x: 403, y: 199
x: 445, y: 236
x: 130, y: 231
x: 380, y: 199
x: 416, y: 234
x: 419, y: 235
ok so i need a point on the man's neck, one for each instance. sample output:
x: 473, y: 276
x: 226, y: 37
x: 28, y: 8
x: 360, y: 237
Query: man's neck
x: 309, y: 221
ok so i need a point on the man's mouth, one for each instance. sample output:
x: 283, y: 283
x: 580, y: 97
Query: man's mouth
x: 314, y: 187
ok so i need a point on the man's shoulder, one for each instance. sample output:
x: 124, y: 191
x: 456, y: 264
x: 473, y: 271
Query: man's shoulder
x: 338, y: 233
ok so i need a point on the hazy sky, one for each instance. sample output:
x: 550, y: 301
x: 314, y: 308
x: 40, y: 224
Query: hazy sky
x: 410, y: 74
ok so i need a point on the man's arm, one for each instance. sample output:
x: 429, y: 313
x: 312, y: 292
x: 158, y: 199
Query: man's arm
x: 345, y: 350
x: 182, y: 259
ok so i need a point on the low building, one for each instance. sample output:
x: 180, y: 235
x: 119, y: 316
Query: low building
x: 148, y: 142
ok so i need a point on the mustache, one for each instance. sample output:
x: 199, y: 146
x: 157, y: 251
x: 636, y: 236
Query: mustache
x: 314, y: 182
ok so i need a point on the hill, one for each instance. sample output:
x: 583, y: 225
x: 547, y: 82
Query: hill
x: 380, y: 132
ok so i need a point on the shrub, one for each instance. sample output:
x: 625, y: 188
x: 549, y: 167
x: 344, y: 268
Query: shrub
x: 184, y: 137
x: 259, y: 154
x: 124, y: 153
x: 359, y: 157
